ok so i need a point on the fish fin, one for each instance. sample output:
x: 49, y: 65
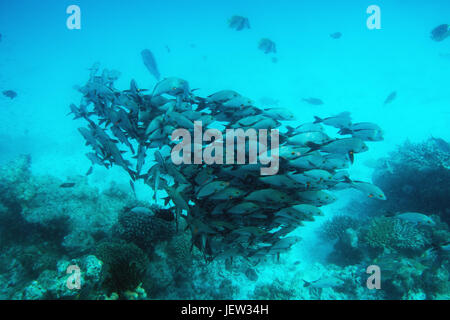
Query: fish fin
x: 347, y: 179
x: 306, y: 284
x: 317, y: 119
x: 351, y: 156
x: 290, y: 130
x: 313, y: 146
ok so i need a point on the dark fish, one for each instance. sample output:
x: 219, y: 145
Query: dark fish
x: 0, y: 37
x: 313, y: 101
x: 10, y: 94
x: 89, y: 171
x: 267, y: 46
x: 150, y: 63
x: 251, y: 274
x: 67, y: 185
x: 167, y: 48
x: 440, y: 32
x: 391, y: 97
x: 239, y: 23
x: 336, y: 35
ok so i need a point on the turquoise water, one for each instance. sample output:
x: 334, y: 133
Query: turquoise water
x: 42, y: 60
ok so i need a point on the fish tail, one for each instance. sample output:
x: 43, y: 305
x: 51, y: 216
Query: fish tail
x: 317, y: 119
x: 345, y: 131
x: 306, y: 284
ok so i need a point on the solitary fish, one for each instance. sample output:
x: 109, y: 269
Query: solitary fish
x: 324, y: 283
x: 416, y: 218
x: 67, y: 185
x: 391, y: 97
x: 440, y: 32
x: 10, y: 94
x: 239, y: 23
x: 313, y: 101
x: 336, y: 35
x: 150, y: 63
x: 267, y: 46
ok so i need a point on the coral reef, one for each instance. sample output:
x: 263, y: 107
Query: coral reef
x: 417, y: 178
x: 336, y: 227
x: 125, y: 266
x: 392, y: 233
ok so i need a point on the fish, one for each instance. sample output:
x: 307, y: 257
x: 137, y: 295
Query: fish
x: 279, y: 114
x: 290, y: 152
x: 91, y: 168
x: 341, y: 120
x: 231, y: 209
x: 10, y: 94
x: 267, y: 196
x: 238, y: 102
x: 336, y: 35
x: 238, y: 23
x: 171, y: 86
x: 440, y: 32
x: 67, y: 185
x: 150, y: 63
x: 313, y: 101
x: 267, y: 46
x: 391, y: 97
x: 211, y: 188
x: 371, y: 190
x: 416, y: 218
x: 222, y: 96
x: 251, y: 274
x: 317, y: 197
x: 327, y: 282
x: 243, y: 208
x: 307, y: 139
x: 228, y: 193
x: 309, y: 161
x: 348, y: 146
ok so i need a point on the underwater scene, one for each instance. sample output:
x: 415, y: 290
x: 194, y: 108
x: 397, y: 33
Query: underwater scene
x: 218, y: 150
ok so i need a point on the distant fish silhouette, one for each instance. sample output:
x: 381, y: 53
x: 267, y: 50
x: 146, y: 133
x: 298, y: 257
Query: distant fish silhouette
x: 150, y: 63
x: 0, y: 37
x: 440, y: 32
x: 10, y: 94
x: 313, y: 101
x: 67, y: 185
x: 239, y: 23
x: 391, y: 97
x: 267, y: 46
x: 336, y: 35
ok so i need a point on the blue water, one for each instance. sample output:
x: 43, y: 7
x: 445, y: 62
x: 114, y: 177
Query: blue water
x: 42, y: 60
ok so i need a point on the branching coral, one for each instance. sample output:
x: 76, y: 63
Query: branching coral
x: 392, y: 233
x: 335, y: 227
x: 125, y: 266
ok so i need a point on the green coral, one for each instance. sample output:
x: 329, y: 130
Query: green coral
x: 392, y: 233
x: 125, y: 266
